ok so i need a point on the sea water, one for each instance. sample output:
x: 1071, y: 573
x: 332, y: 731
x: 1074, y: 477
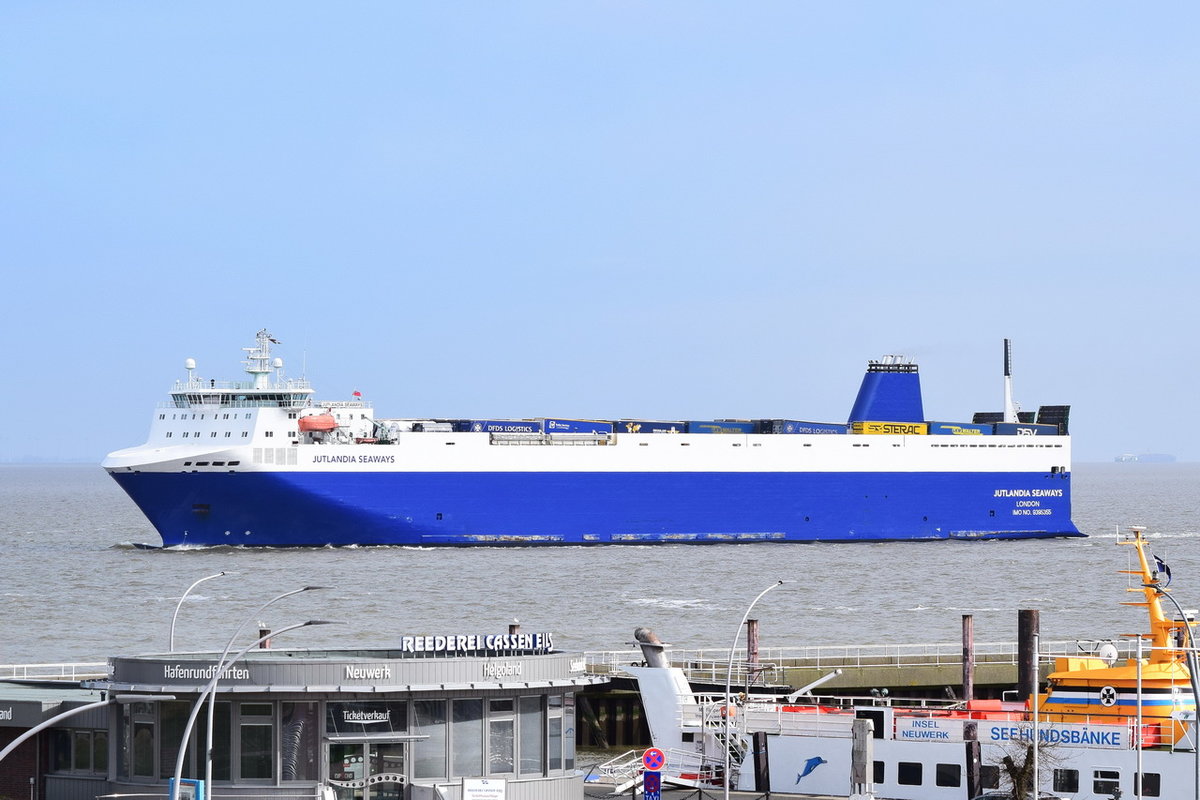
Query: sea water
x: 73, y: 586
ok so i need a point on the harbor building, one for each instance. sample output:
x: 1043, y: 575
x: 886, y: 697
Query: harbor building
x: 455, y: 717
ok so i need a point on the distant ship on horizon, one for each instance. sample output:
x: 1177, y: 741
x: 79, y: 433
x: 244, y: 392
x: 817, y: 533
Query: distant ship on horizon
x: 1145, y: 458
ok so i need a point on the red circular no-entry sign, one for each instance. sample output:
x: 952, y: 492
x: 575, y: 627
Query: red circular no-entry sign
x: 653, y: 759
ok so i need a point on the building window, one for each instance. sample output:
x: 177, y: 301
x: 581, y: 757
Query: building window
x: 1066, y: 780
x: 137, y: 740
x: 501, y: 746
x: 908, y: 773
x: 245, y: 434
x: 533, y: 750
x: 466, y: 737
x: 554, y: 732
x: 168, y: 434
x: 947, y: 775
x: 429, y: 754
x: 80, y: 752
x: 299, y: 741
x: 569, y: 731
x: 256, y: 740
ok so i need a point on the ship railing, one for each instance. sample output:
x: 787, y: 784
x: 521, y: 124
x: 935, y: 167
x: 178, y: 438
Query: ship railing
x: 538, y: 439
x: 287, y: 385
x: 711, y: 664
x: 78, y: 671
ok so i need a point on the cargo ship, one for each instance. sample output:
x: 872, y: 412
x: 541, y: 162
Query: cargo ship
x: 261, y: 463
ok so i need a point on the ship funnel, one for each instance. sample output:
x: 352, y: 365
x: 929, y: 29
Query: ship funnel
x: 890, y: 391
x: 652, y: 648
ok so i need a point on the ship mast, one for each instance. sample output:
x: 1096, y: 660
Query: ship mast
x: 1163, y: 641
x: 258, y: 360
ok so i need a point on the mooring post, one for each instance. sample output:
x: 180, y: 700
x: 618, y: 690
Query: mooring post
x: 968, y: 660
x: 1027, y: 664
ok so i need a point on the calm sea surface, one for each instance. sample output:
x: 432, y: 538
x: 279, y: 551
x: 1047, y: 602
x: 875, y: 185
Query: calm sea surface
x: 73, y: 588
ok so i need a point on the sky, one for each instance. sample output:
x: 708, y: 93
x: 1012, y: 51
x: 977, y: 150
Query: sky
x: 671, y: 210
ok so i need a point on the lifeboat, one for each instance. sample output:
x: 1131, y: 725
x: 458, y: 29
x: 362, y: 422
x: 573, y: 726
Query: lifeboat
x: 317, y: 423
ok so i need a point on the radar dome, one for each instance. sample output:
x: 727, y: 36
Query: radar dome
x: 189, y: 363
x: 277, y: 363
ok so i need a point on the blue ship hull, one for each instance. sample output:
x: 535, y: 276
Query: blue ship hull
x: 315, y: 509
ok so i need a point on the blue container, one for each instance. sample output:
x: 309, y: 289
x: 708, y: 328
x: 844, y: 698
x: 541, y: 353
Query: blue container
x: 503, y: 426
x: 576, y: 426
x: 1025, y: 429
x: 959, y: 429
x: 720, y: 426
x: 650, y: 426
x: 798, y: 426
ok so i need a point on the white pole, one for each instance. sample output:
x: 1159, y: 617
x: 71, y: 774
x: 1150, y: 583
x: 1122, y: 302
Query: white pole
x: 120, y: 698
x: 1037, y: 682
x: 729, y: 679
x: 1137, y: 742
x: 171, y: 648
x: 212, y: 697
x: 208, y: 689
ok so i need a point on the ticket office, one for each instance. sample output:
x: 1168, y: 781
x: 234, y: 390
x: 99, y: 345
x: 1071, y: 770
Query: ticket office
x: 362, y: 748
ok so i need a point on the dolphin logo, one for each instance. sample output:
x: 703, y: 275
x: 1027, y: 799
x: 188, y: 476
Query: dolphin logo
x: 810, y: 765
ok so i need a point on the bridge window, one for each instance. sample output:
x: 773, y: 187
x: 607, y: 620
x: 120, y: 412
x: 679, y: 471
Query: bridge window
x: 908, y: 773
x: 1150, y: 784
x: 1105, y: 781
x: 948, y: 775
x: 989, y: 776
x: 1066, y: 780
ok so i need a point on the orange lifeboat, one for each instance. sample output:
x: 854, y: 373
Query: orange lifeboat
x: 317, y: 423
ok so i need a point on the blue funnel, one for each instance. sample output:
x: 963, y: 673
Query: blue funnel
x: 890, y: 392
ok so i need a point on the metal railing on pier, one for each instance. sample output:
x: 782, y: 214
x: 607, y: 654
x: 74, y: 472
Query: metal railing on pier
x: 711, y: 664
x: 54, y: 672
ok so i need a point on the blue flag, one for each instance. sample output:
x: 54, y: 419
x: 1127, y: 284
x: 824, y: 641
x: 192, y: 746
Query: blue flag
x: 1162, y: 568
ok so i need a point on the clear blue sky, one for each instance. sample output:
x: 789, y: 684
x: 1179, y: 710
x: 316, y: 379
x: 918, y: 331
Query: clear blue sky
x: 658, y: 209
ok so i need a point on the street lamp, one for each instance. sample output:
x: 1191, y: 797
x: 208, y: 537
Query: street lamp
x: 117, y: 698
x: 179, y: 605
x: 208, y: 691
x: 212, y: 698
x: 1192, y: 677
x: 729, y: 679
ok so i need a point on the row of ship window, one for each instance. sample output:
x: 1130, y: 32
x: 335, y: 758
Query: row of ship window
x: 1104, y: 781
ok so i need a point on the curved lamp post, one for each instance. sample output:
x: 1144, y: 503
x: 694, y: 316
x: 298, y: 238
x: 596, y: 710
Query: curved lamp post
x: 171, y: 648
x: 729, y: 680
x: 208, y: 691
x: 212, y: 698
x: 1192, y: 676
x: 117, y: 698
